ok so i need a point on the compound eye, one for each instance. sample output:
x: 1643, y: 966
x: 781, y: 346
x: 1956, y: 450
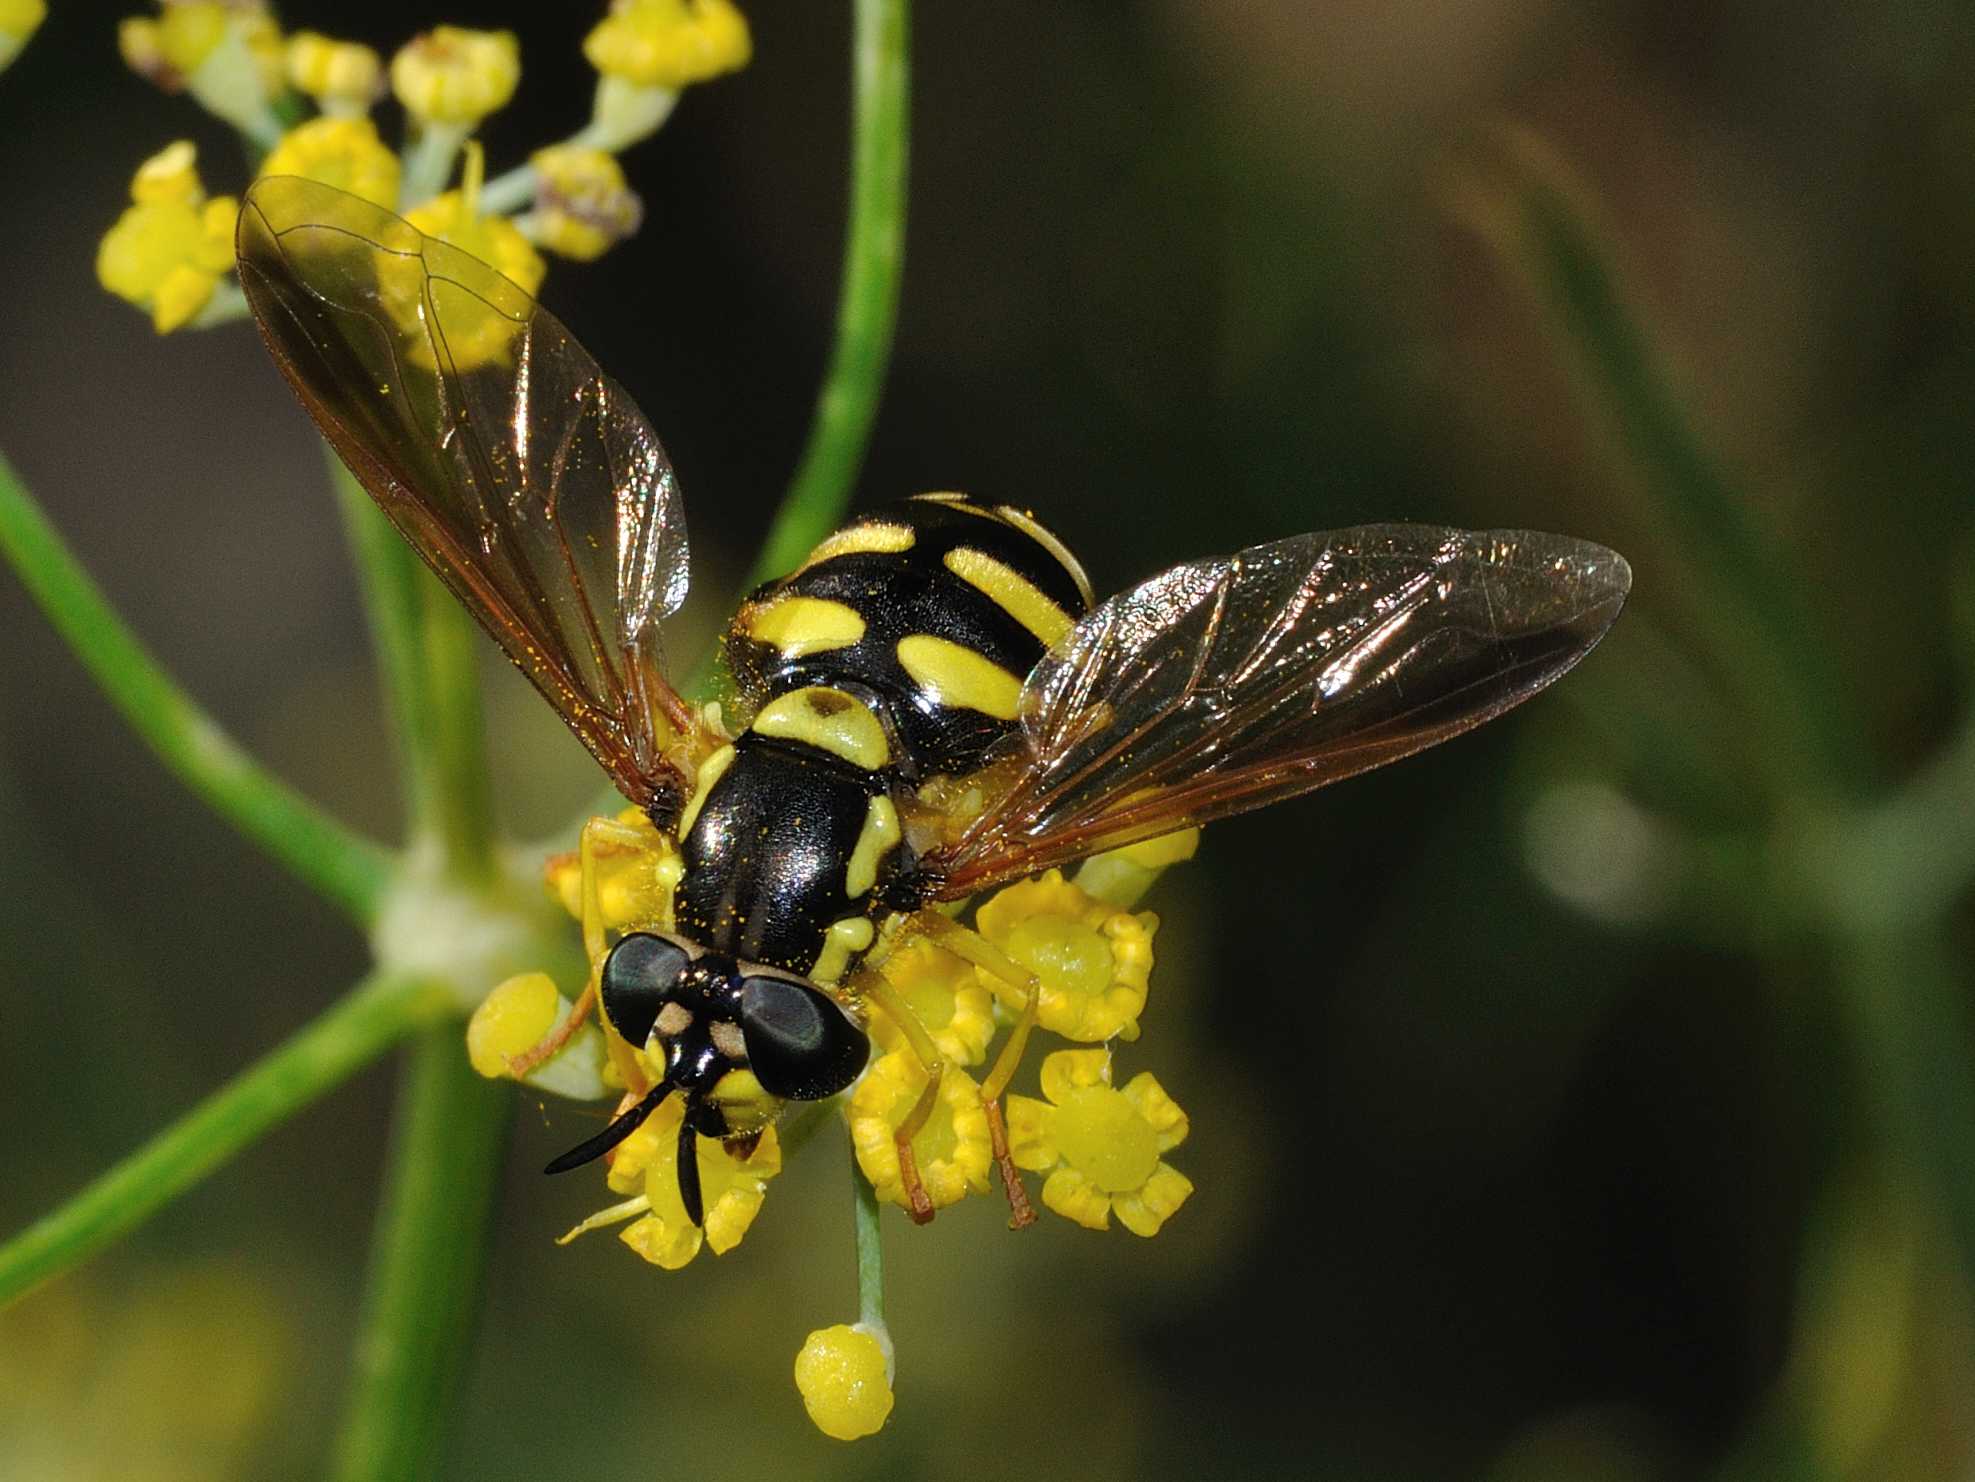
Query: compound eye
x: 800, y: 1045
x: 638, y: 976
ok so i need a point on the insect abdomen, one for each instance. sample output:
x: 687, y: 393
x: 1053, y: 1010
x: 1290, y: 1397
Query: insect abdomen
x: 895, y: 653
x: 937, y: 606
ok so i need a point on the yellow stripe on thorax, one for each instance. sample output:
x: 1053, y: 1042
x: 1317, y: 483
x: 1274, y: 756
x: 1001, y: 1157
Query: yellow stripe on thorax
x: 800, y: 626
x: 878, y: 837
x: 829, y: 720
x: 956, y: 676
x: 710, y: 771
x: 1011, y: 591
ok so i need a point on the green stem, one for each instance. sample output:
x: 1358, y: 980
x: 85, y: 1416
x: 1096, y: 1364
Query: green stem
x: 425, y: 652
x: 870, y: 1252
x: 1910, y: 1019
x: 331, y: 859
x: 867, y: 304
x: 349, y: 1035
x: 1760, y: 623
x: 430, y: 1248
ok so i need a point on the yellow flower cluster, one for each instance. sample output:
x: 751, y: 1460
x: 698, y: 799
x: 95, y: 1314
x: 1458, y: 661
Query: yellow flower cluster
x: 167, y: 251
x: 573, y: 198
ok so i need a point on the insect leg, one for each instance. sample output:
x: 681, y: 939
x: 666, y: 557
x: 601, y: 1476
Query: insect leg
x: 1018, y: 983
x: 872, y: 986
x: 601, y: 836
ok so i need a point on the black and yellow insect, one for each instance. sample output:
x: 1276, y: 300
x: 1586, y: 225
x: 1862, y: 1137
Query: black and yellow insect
x: 930, y: 705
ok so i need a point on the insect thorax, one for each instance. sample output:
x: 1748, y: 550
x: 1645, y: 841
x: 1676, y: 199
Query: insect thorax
x: 894, y: 654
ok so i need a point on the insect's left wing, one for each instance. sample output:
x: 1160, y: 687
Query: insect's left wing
x: 1226, y: 684
x: 521, y: 472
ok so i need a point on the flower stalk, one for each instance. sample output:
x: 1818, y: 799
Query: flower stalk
x: 363, y: 1024
x: 330, y: 858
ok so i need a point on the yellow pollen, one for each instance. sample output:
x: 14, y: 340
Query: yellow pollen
x: 874, y: 842
x: 956, y: 676
x: 1101, y: 1134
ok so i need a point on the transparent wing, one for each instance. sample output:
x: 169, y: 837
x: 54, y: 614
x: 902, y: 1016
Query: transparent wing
x: 521, y: 472
x: 1225, y: 684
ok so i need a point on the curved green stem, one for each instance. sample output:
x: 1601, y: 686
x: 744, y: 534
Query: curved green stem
x: 334, y: 861
x: 425, y: 652
x: 349, y: 1035
x: 431, y: 1244
x: 870, y: 1251
x: 1759, y: 620
x: 867, y: 305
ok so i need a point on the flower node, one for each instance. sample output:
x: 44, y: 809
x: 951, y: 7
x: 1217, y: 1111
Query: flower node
x: 583, y: 204
x: 1099, y: 1146
x: 1093, y: 961
x: 843, y: 1374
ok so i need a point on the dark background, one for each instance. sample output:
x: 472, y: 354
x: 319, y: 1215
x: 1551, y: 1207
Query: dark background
x: 1509, y: 1166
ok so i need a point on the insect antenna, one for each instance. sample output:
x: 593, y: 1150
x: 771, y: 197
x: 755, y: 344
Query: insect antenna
x: 615, y: 1133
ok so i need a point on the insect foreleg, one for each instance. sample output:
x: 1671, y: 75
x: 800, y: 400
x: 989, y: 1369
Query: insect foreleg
x: 1014, y: 985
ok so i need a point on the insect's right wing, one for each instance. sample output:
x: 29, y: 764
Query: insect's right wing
x: 522, y: 474
x: 1226, y: 684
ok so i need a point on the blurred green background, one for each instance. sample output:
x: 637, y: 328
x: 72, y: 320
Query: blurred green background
x: 1555, y: 1114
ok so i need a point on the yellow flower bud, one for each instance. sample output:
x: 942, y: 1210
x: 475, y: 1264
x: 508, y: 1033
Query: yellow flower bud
x: 583, y: 205
x: 669, y: 43
x: 451, y: 75
x: 343, y: 152
x: 342, y: 76
x: 167, y: 252
x: 169, y: 176
x: 190, y: 31
x: 843, y: 1375
x: 19, y: 19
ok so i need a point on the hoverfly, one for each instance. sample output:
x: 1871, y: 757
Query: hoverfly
x: 932, y: 704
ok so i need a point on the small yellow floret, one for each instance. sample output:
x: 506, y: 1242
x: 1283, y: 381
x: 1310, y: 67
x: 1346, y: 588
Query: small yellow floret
x: 1101, y: 1146
x: 342, y: 76
x: 167, y: 252
x: 583, y: 204
x: 451, y: 75
x: 635, y: 881
x: 1094, y: 963
x: 952, y: 1150
x: 343, y: 152
x: 476, y: 331
x: 946, y: 994
x: 19, y: 19
x: 228, y: 55
x: 842, y: 1373
x: 190, y: 31
x: 732, y: 1189
x: 512, y: 1018
x: 669, y: 43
